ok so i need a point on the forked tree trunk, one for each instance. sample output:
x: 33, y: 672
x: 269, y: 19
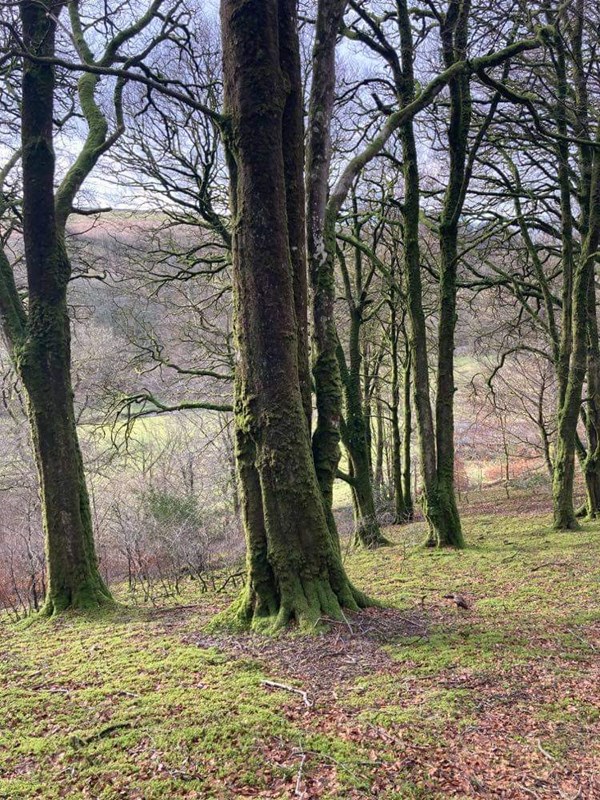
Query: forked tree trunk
x: 41, y: 346
x: 294, y: 566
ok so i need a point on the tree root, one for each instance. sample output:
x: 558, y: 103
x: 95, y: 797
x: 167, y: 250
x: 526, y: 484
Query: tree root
x: 307, y: 603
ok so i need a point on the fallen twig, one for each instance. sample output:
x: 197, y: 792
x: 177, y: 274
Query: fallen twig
x: 582, y: 640
x: 548, y: 755
x: 78, y: 741
x: 549, y: 564
x: 347, y: 623
x: 287, y: 688
x: 332, y: 760
x: 297, y: 790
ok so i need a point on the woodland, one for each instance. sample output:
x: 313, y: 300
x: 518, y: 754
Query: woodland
x: 300, y: 399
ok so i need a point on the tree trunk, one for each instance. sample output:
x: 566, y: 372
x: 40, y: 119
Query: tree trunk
x: 43, y: 356
x: 321, y: 252
x: 407, y: 431
x: 367, y: 531
x: 433, y: 505
x: 451, y: 532
x: 379, y: 446
x: 293, y: 164
x: 571, y: 352
x: 591, y: 409
x: 591, y: 464
x: 454, y: 44
x: 400, y: 510
x: 294, y: 566
x: 568, y: 414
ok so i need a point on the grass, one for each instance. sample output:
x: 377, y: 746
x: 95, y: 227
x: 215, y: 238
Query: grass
x: 498, y: 701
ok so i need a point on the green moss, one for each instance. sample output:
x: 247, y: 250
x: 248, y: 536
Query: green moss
x: 198, y: 723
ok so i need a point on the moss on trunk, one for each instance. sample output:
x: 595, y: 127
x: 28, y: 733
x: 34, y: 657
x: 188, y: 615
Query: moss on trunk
x: 367, y: 531
x: 42, y: 351
x: 321, y: 245
x: 294, y: 568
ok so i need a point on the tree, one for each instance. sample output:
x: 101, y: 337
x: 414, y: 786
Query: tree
x: 39, y: 337
x: 38, y: 331
x: 294, y: 563
x: 323, y: 210
x: 557, y: 290
x: 396, y: 47
x: 355, y: 422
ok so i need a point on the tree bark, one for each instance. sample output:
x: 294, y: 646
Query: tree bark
x: 43, y: 353
x: 407, y: 431
x: 578, y: 325
x: 355, y: 427
x: 568, y: 415
x: 454, y: 44
x: 321, y: 252
x: 378, y: 479
x: 437, y: 504
x: 591, y: 463
x: 400, y: 509
x: 293, y: 164
x: 294, y: 566
x: 367, y: 532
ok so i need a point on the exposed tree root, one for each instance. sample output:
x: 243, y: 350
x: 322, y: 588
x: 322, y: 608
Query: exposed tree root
x: 85, y: 599
x: 306, y: 602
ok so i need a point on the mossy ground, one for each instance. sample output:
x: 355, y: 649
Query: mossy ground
x: 501, y: 700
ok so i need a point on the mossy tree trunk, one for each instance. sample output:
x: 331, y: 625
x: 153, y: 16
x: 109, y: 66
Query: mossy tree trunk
x: 590, y: 410
x: 407, y: 431
x: 294, y: 565
x: 579, y: 341
x: 293, y: 165
x: 569, y: 407
x: 39, y: 338
x: 563, y: 471
x: 378, y: 479
x: 454, y: 45
x: 568, y: 414
x: 321, y: 252
x: 400, y: 390
x: 41, y: 342
x: 439, y: 506
x: 355, y: 423
x: 400, y: 505
x: 367, y: 532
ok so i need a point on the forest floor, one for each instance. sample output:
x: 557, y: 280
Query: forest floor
x: 420, y: 700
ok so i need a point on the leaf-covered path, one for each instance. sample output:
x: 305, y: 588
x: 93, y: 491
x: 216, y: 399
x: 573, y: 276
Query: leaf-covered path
x: 419, y: 700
